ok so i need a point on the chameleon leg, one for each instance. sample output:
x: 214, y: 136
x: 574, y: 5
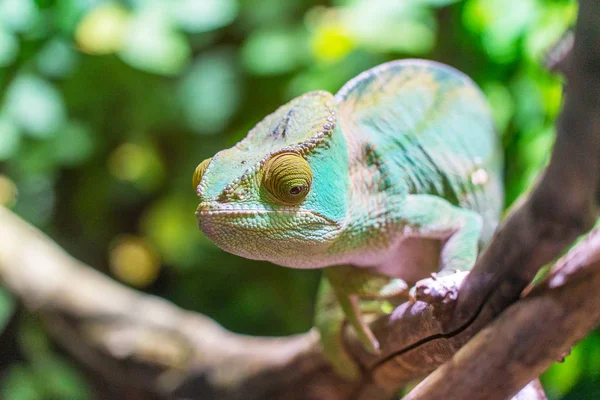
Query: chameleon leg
x: 460, y: 229
x: 433, y: 217
x: 340, y: 300
x: 329, y: 321
x: 351, y: 307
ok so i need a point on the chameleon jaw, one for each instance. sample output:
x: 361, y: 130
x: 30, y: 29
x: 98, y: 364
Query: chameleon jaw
x: 207, y: 209
x: 288, y: 236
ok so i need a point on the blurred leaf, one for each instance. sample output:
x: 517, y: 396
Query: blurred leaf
x: 584, y: 390
x: 9, y: 48
x: 35, y: 105
x: 209, y: 94
x: 202, y: 16
x: 529, y: 112
x: 10, y: 137
x: 534, y: 152
x: 33, y: 340
x: 561, y: 377
x: 263, y: 14
x: 152, y: 44
x: 36, y: 159
x: 554, y: 20
x: 18, y: 15
x: 389, y: 25
x: 20, y: 383
x: 592, y: 344
x: 8, y: 196
x: 502, y: 104
x: 269, y: 52
x: 551, y: 92
x: 171, y: 225
x: 69, y: 12
x: 500, y: 24
x: 36, y: 199
x: 331, y: 42
x: 429, y: 3
x: 72, y: 144
x: 102, y: 30
x: 61, y: 380
x: 332, y: 76
x: 53, y: 377
x: 7, y: 302
x: 57, y: 59
x: 137, y: 164
x: 436, y: 3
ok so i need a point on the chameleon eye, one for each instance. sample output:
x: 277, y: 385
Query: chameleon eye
x: 287, y: 177
x: 199, y: 172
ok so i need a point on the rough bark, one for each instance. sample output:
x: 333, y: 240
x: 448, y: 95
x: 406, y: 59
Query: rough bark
x: 528, y: 337
x: 138, y: 340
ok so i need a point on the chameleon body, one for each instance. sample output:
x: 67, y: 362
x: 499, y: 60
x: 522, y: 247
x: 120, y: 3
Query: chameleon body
x: 396, y: 176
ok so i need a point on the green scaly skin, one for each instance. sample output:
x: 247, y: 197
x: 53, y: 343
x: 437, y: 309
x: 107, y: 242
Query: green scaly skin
x: 400, y: 176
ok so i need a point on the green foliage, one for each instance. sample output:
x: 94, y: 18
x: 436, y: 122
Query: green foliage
x: 106, y: 107
x: 45, y: 375
x: 7, y: 305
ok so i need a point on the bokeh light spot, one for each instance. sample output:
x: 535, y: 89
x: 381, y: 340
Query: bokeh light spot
x: 153, y: 44
x: 134, y: 261
x: 9, y: 48
x: 18, y: 15
x: 171, y: 225
x: 137, y: 164
x: 331, y: 43
x: 57, y: 59
x: 101, y: 31
x: 10, y: 137
x: 202, y: 16
x: 35, y: 105
x: 271, y: 52
x: 502, y: 104
x: 210, y: 93
x: 8, y: 191
x: 74, y: 143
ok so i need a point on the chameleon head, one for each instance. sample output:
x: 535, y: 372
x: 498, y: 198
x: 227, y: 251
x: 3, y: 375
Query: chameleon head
x: 281, y: 194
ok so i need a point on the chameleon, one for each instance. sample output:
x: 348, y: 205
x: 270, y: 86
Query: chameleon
x: 395, y: 177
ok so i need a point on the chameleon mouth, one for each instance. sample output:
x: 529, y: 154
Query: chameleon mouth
x: 290, y: 236
x: 212, y: 209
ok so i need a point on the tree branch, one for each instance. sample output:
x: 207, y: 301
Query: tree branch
x: 528, y: 337
x: 564, y: 203
x: 146, y: 341
x: 143, y: 341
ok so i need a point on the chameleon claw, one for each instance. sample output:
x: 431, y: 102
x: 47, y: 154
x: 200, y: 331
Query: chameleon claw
x: 372, y: 346
x: 412, y: 295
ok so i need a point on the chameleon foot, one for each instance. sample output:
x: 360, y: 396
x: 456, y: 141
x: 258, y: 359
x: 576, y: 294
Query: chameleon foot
x: 440, y: 289
x: 330, y: 325
x: 334, y: 349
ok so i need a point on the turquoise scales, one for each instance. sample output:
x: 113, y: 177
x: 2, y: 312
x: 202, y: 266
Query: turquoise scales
x: 422, y: 128
x: 396, y: 176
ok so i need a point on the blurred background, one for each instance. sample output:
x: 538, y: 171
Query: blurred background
x: 106, y: 107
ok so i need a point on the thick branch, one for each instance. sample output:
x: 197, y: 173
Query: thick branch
x: 562, y: 206
x: 520, y: 344
x: 564, y: 203
x: 146, y: 341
